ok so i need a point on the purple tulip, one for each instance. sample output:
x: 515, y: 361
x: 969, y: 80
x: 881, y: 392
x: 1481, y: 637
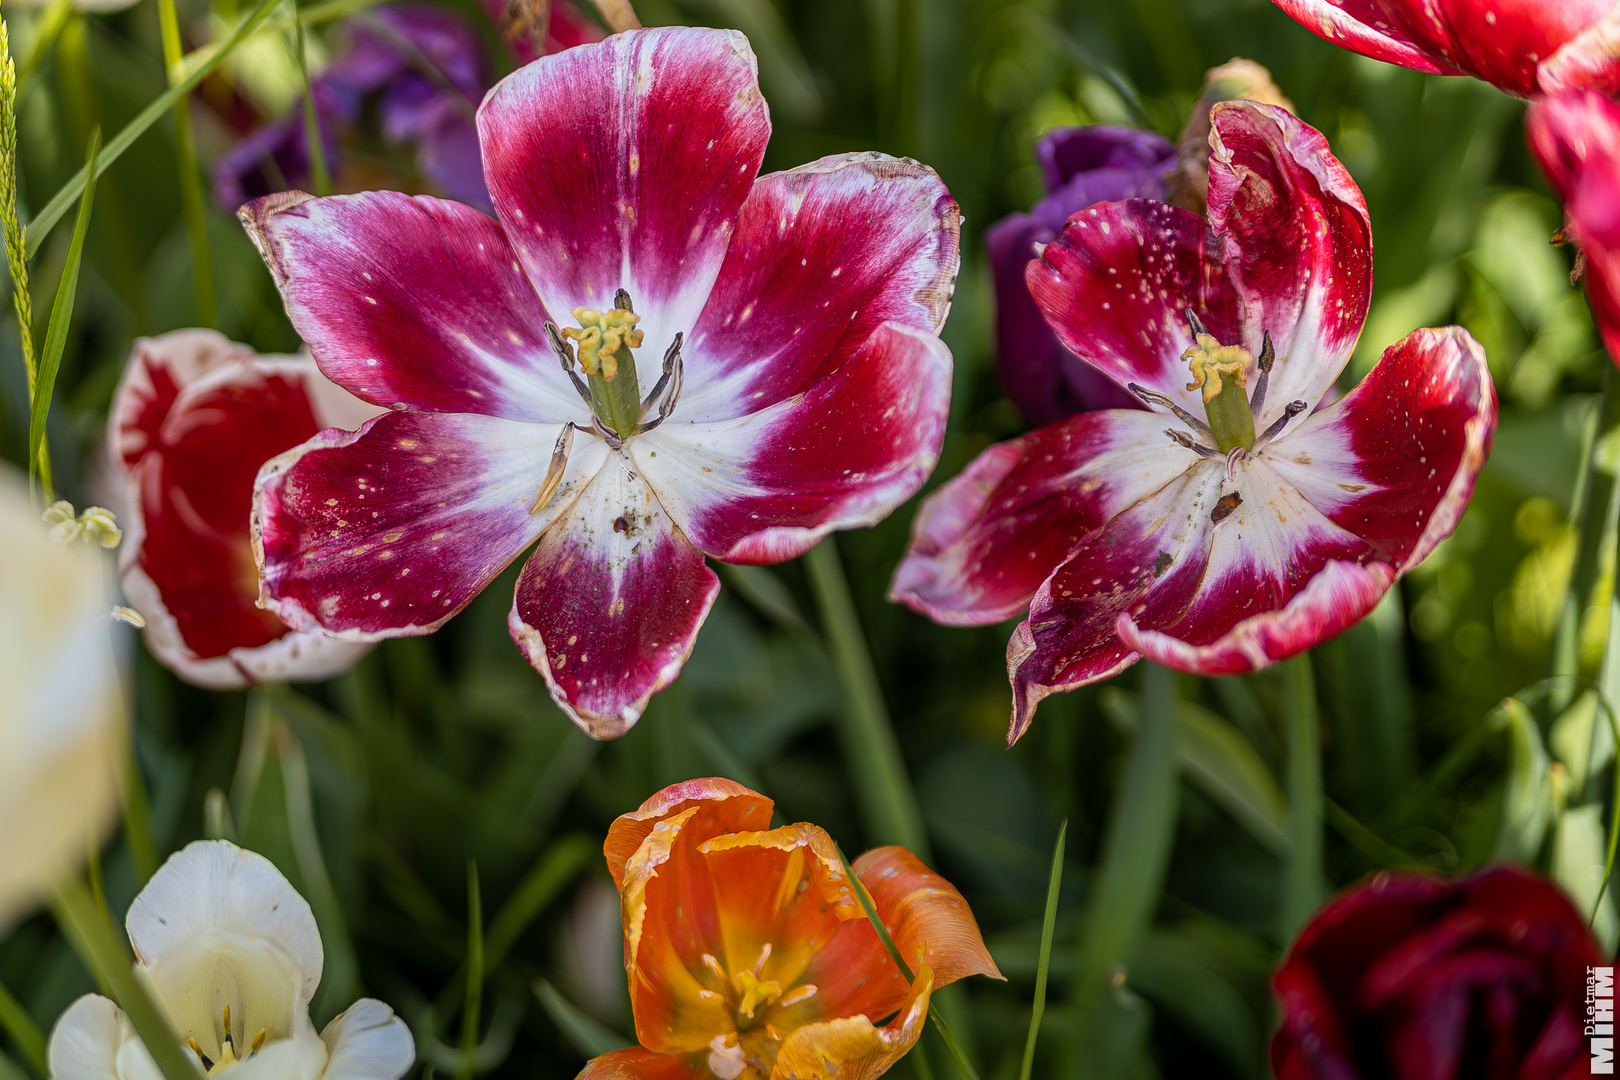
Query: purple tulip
x: 1082, y: 166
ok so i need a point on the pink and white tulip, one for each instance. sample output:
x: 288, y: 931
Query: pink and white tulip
x: 1525, y: 47
x: 194, y: 417
x: 1230, y: 526
x: 787, y: 326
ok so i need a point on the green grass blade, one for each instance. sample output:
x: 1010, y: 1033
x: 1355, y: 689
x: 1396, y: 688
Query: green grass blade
x: 475, y: 974
x: 1303, y: 884
x: 590, y: 1037
x: 25, y: 1034
x: 50, y: 358
x: 320, y: 175
x: 561, y: 864
x: 53, y: 211
x: 1054, y: 886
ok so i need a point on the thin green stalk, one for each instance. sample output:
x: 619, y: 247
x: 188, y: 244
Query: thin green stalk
x: 106, y: 954
x: 138, y: 818
x: 883, y: 790
x: 25, y: 1034
x: 50, y: 28
x: 320, y: 176
x: 342, y: 978
x: 475, y: 974
x: 1303, y: 886
x: 1565, y: 658
x: 53, y: 211
x: 589, y: 1036
x: 1054, y: 886
x: 21, y: 299
x: 191, y: 193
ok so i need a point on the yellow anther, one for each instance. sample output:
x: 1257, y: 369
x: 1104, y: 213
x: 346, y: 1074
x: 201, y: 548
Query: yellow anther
x: 601, y: 334
x: 258, y: 1040
x: 1209, y: 360
x: 753, y: 992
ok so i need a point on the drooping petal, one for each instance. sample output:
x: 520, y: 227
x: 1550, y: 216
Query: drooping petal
x: 609, y: 605
x: 367, y: 1042
x: 393, y: 529
x: 1115, y: 286
x: 1366, y: 27
x: 725, y: 806
x: 84, y: 1043
x: 1297, y: 242
x: 853, y: 1047
x: 1394, y: 461
x: 926, y: 916
x: 413, y: 303
x: 824, y: 255
x: 213, y: 885
x: 623, y: 164
x: 982, y: 544
x: 638, y: 1063
x: 842, y: 454
x: 1589, y: 60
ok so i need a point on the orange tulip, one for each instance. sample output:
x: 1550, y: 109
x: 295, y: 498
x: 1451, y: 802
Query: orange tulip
x: 749, y: 955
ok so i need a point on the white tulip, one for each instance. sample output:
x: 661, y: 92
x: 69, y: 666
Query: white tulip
x: 231, y: 953
x: 61, y: 719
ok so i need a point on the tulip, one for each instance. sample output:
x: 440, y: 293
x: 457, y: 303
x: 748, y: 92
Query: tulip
x: 749, y: 954
x: 193, y: 418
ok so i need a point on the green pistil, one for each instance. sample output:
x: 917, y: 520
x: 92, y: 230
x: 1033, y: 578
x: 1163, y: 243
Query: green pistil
x: 605, y: 340
x: 1221, y: 372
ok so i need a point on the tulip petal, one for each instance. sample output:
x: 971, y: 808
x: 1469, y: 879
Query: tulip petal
x: 1394, y: 461
x: 413, y: 303
x: 842, y: 454
x: 1589, y: 60
x: 214, y: 885
x: 931, y: 924
x: 84, y: 1043
x: 804, y: 287
x: 393, y: 529
x: 1366, y: 27
x: 1297, y: 242
x: 852, y: 1047
x: 624, y: 164
x: 609, y: 605
x: 983, y: 542
x: 367, y: 1042
x: 637, y: 1063
x: 726, y: 805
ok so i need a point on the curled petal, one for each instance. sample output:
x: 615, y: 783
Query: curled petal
x: 1297, y: 242
x: 984, y: 541
x: 725, y: 806
x: 804, y: 287
x: 158, y: 370
x: 413, y: 303
x: 601, y: 188
x: 367, y: 1042
x: 842, y: 454
x: 393, y: 529
x: 1366, y: 27
x: 609, y: 605
x: 84, y: 1043
x: 1589, y: 60
x: 931, y: 924
x: 637, y: 1063
x: 853, y: 1047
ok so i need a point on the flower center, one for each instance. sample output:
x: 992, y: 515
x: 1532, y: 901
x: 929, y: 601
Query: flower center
x: 757, y: 1005
x: 228, y: 1054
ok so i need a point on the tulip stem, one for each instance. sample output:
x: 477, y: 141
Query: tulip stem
x: 25, y: 1034
x: 105, y: 953
x: 191, y: 196
x: 883, y: 790
x: 1303, y: 888
x: 1054, y: 885
x: 475, y: 974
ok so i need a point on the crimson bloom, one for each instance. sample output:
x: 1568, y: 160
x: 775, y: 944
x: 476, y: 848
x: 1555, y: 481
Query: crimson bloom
x: 1575, y: 138
x: 749, y: 955
x: 1230, y: 526
x: 1525, y: 47
x: 787, y: 328
x: 1417, y: 978
x: 194, y: 417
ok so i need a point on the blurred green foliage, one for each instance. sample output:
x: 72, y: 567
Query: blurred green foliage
x: 374, y: 792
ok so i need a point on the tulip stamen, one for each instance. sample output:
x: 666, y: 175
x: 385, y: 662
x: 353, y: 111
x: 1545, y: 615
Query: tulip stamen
x: 1293, y: 409
x: 1221, y: 373
x: 1153, y: 397
x: 554, y: 472
x: 667, y: 390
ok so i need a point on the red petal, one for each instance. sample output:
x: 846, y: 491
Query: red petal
x: 413, y: 303
x: 727, y: 807
x: 824, y: 255
x: 931, y: 924
x: 1589, y: 60
x: 624, y: 164
x: 609, y: 605
x: 983, y: 543
x: 840, y: 455
x: 393, y: 529
x: 636, y: 1063
x: 1368, y: 27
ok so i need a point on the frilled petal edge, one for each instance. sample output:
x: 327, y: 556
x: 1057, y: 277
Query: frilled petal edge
x: 725, y: 806
x: 1361, y: 26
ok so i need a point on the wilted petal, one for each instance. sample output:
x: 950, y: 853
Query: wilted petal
x: 624, y: 164
x: 824, y: 255
x: 367, y: 1042
x: 393, y: 529
x: 609, y: 605
x: 982, y: 544
x: 637, y: 1063
x: 84, y: 1043
x: 1297, y: 242
x: 931, y: 924
x: 413, y: 303
x: 724, y: 806
x: 1368, y: 27
x: 842, y: 454
x: 853, y: 1047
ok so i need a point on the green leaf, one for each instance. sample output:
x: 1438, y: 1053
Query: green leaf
x: 560, y: 865
x: 589, y: 1037
x: 50, y: 360
x: 1303, y: 890
x: 1577, y: 864
x: 1054, y: 886
x: 475, y: 973
x: 25, y: 1034
x: 46, y: 219
x: 1527, y: 793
